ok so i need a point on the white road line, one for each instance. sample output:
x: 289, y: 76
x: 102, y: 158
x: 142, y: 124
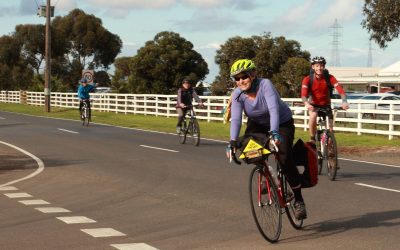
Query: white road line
x: 133, y: 246
x: 102, y: 232
x: 2, y: 118
x: 69, y: 131
x: 375, y: 163
x: 8, y: 188
x: 38, y: 170
x: 34, y: 202
x: 164, y: 149
x: 17, y: 195
x: 76, y: 219
x: 376, y: 187
x: 49, y: 210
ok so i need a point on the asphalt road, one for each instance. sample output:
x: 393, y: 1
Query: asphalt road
x: 102, y: 187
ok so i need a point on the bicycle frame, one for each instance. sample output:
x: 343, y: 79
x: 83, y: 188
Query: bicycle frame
x: 269, y: 176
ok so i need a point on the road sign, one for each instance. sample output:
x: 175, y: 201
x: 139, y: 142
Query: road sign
x: 88, y: 75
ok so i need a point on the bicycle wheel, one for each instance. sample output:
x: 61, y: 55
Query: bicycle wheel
x: 182, y: 133
x: 265, y: 208
x: 322, y: 155
x: 288, y: 195
x: 332, y: 161
x: 195, y: 132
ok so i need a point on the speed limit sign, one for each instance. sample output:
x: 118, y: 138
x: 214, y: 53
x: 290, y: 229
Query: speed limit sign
x: 88, y: 75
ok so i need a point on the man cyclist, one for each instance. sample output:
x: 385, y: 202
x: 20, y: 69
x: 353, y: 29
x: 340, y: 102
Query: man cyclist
x: 184, y: 100
x: 84, y: 96
x: 320, y: 93
x: 266, y: 114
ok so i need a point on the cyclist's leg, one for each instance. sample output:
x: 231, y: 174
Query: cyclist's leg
x: 181, y: 115
x: 330, y: 115
x: 80, y: 106
x: 312, y: 125
x: 289, y: 168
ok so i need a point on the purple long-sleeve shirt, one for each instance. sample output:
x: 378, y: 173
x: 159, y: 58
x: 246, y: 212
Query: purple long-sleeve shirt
x: 266, y: 109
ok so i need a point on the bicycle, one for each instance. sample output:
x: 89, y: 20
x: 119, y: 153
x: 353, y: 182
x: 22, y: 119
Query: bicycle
x: 85, y: 112
x: 326, y: 146
x: 192, y: 127
x: 270, y: 193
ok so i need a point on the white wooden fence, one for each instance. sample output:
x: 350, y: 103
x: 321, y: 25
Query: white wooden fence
x: 384, y: 116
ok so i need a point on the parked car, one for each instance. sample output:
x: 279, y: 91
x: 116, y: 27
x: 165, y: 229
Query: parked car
x: 371, y: 106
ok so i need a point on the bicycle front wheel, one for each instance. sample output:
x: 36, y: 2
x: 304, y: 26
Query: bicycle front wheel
x: 288, y: 195
x: 322, y: 153
x: 332, y: 158
x: 182, y: 133
x: 195, y: 132
x: 265, y: 206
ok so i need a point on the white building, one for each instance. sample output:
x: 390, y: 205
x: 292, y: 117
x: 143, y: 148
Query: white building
x: 373, y: 80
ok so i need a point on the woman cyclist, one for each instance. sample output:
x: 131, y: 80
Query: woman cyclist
x: 184, y: 100
x: 266, y: 113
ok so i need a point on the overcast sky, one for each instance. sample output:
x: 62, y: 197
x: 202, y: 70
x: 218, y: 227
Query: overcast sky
x: 210, y: 23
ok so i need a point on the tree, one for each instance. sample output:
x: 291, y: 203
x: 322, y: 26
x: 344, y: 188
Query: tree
x: 268, y: 53
x: 382, y: 20
x: 85, y: 42
x: 15, y: 74
x: 119, y: 81
x: 32, y: 39
x: 288, y: 80
x: 162, y: 63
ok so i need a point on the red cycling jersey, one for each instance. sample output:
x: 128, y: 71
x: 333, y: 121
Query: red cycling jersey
x: 320, y: 92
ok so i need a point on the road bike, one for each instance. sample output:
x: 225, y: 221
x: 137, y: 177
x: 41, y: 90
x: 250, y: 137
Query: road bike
x: 85, y: 112
x: 190, y: 126
x: 269, y: 191
x: 326, y: 142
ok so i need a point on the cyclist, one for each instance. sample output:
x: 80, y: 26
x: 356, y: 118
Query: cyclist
x: 320, y: 93
x: 83, y: 95
x: 184, y: 99
x: 266, y: 113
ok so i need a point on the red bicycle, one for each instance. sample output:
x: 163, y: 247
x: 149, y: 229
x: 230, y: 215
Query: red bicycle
x: 270, y: 193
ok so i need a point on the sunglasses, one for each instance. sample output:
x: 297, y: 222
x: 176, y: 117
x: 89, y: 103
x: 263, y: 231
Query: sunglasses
x: 243, y: 77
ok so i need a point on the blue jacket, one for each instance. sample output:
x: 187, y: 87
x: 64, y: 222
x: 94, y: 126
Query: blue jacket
x: 83, y: 92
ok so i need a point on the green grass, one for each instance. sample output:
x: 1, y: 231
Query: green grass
x: 215, y: 130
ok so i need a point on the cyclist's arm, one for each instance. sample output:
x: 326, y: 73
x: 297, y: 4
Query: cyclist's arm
x: 305, y: 91
x: 341, y: 92
x: 196, y: 97
x: 179, y: 99
x: 236, y: 116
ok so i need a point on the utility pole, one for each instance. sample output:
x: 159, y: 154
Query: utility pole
x: 369, y: 62
x: 335, y: 43
x: 47, y: 76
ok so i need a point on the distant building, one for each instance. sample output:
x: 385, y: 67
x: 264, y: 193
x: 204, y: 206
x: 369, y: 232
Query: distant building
x: 372, y: 80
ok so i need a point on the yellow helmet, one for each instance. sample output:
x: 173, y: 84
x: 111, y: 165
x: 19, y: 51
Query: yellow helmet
x: 242, y: 65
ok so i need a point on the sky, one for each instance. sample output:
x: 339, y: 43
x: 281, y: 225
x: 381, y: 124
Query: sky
x: 209, y: 23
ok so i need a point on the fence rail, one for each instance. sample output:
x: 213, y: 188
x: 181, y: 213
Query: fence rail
x: 381, y: 117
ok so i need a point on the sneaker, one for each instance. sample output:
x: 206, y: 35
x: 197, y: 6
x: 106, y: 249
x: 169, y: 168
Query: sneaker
x: 300, y: 210
x: 178, y: 129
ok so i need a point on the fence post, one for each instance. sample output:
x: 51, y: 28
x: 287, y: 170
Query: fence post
x: 391, y: 120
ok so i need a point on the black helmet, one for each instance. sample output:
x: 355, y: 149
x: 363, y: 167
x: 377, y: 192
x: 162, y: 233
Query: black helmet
x: 318, y: 59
